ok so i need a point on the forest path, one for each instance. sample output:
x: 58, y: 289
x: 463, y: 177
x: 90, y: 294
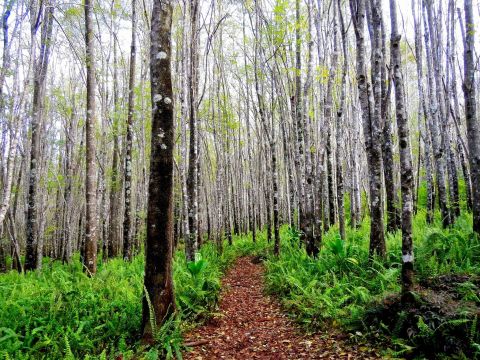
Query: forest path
x: 253, y: 326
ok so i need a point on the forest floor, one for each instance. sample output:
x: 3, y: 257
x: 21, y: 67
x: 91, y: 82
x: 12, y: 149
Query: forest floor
x: 251, y: 325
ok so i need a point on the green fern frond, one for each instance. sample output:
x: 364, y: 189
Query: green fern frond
x: 151, y: 313
x: 68, y: 350
x: 473, y: 330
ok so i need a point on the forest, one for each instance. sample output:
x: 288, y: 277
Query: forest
x: 239, y: 179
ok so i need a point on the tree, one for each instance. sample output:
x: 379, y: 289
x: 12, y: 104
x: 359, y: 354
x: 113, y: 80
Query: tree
x: 159, y: 243
x: 371, y: 118
x: 332, y: 197
x: 423, y: 115
x: 406, y: 172
x: 6, y: 60
x: 192, y: 181
x: 111, y: 244
x: 127, y: 219
x: 91, y: 221
x: 269, y: 131
x: 34, y: 248
x: 473, y: 126
x: 435, y: 96
x: 340, y: 125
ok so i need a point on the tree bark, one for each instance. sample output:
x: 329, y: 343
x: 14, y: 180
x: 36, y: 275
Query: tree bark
x: 424, y: 115
x: 435, y: 91
x: 113, y: 242
x: 40, y: 76
x: 7, y: 186
x: 370, y: 116
x: 340, y: 125
x: 91, y: 221
x: 158, y: 283
x: 127, y: 218
x: 473, y: 126
x: 406, y: 171
x: 192, y: 185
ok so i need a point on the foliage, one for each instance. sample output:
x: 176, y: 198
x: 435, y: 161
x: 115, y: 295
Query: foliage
x: 62, y: 313
x: 343, y: 287
x: 334, y: 287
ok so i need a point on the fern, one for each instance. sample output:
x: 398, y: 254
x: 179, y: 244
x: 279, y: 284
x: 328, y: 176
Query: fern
x: 103, y: 355
x: 68, y: 350
x: 424, y: 329
x: 473, y: 330
x: 151, y: 313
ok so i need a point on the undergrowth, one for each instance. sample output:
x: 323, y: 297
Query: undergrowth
x: 60, y: 313
x: 343, y: 288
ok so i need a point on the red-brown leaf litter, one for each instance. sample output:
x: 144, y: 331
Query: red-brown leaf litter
x: 252, y: 325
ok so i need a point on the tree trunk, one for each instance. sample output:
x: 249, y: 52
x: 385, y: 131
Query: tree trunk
x: 158, y: 301
x: 40, y: 75
x: 424, y: 116
x: 329, y: 142
x: 406, y: 171
x: 299, y: 126
x: 91, y: 221
x: 192, y: 186
x: 473, y: 127
x: 371, y: 125
x: 436, y: 119
x: 340, y: 125
x: 7, y: 186
x: 127, y: 218
x: 184, y: 115
x: 113, y: 242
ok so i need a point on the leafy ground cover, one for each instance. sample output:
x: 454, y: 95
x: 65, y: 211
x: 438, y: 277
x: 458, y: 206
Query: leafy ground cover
x: 61, y: 313
x: 344, y: 288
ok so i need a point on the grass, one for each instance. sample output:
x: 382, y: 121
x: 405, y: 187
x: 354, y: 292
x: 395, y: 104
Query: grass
x: 61, y: 313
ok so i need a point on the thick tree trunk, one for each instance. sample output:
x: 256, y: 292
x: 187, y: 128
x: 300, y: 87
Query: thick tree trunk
x: 340, y: 125
x: 406, y: 171
x: 377, y: 236
x: 40, y: 75
x: 371, y: 125
x: 473, y: 126
x: 183, y: 116
x: 192, y: 186
x: 158, y: 301
x: 299, y: 127
x: 91, y: 221
x: 393, y: 221
x: 307, y: 225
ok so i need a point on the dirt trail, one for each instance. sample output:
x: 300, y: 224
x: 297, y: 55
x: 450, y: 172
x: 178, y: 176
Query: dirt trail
x: 252, y: 326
